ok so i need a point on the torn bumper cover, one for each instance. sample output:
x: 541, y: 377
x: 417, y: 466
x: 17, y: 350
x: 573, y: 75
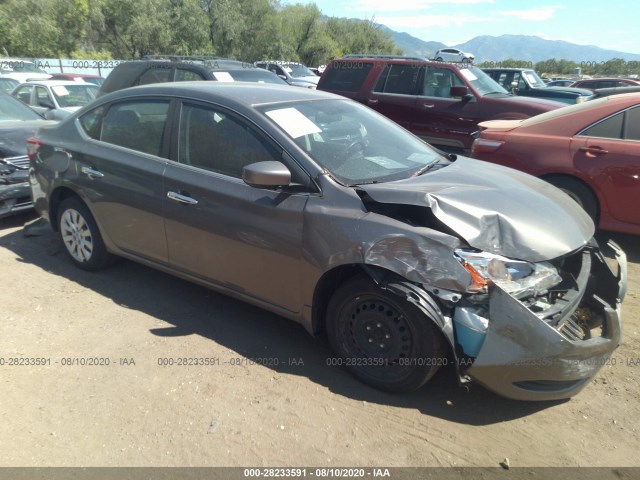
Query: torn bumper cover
x: 529, y: 355
x: 15, y: 192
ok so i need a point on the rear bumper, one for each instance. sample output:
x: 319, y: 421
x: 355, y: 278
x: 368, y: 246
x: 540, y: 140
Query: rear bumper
x: 526, y: 357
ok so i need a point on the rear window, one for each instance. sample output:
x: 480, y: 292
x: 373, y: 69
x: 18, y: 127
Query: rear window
x: 346, y: 76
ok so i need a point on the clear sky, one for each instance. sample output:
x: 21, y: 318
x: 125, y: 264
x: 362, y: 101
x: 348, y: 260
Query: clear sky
x: 613, y: 25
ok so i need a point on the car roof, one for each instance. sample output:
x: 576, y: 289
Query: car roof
x: 239, y: 93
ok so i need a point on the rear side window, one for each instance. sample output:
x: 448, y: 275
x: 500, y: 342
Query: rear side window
x: 632, y: 124
x: 608, y: 128
x: 155, y: 75
x: 137, y: 125
x: 399, y: 79
x: 346, y: 76
x: 183, y: 75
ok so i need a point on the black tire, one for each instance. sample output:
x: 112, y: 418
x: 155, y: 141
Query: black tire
x: 80, y: 235
x: 381, y: 338
x: 439, y: 59
x: 580, y: 193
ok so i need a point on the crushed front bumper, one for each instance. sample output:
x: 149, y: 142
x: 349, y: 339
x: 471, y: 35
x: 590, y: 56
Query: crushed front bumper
x: 527, y: 357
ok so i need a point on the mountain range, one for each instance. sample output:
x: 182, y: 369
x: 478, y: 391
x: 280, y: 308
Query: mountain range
x: 517, y: 47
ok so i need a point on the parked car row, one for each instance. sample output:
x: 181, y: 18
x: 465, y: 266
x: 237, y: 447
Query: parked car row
x: 320, y: 209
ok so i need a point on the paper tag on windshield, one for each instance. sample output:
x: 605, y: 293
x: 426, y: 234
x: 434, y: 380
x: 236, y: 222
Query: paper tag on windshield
x: 223, y: 76
x: 386, y: 162
x: 293, y: 122
x: 468, y: 74
x: 60, y: 90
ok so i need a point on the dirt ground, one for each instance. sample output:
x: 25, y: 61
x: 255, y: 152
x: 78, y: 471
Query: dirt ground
x: 295, y: 411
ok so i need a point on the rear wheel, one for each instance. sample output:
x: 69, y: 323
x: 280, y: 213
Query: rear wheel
x: 579, y: 192
x: 381, y: 338
x: 80, y: 235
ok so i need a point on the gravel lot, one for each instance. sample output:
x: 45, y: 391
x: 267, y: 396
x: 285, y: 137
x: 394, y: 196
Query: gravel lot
x: 129, y: 410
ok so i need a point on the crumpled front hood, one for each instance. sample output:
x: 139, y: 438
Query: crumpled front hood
x: 495, y: 209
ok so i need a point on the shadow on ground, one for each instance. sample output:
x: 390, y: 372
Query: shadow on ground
x: 255, y: 333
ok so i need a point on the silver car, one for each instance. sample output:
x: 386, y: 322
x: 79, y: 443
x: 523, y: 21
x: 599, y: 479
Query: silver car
x: 55, y: 99
x: 321, y: 210
x: 453, y: 55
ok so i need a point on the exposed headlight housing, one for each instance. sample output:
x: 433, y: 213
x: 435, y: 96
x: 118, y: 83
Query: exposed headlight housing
x: 516, y: 277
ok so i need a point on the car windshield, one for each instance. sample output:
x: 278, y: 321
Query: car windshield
x: 7, y: 84
x: 296, y: 70
x: 12, y: 110
x: 482, y: 82
x: 74, y: 95
x: 353, y: 143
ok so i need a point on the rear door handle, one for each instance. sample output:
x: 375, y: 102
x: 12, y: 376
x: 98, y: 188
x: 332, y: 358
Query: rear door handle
x: 428, y: 105
x: 178, y: 197
x: 373, y: 101
x: 594, y: 151
x: 91, y: 172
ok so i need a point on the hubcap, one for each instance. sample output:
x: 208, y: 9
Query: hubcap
x: 377, y: 330
x: 76, y: 235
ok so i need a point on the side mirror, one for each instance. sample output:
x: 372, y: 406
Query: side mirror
x: 266, y: 175
x: 460, y: 91
x: 514, y: 87
x: 46, y: 103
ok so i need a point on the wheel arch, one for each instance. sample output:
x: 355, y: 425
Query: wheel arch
x: 548, y: 177
x: 55, y: 199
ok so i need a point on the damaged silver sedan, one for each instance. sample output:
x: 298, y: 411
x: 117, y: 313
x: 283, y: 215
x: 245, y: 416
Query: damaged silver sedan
x: 325, y: 212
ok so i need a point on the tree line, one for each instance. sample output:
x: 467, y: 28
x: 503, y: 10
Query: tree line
x: 245, y: 30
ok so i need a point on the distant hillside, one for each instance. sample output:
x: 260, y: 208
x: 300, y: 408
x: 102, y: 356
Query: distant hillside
x: 412, y: 46
x: 519, y: 47
x: 536, y: 49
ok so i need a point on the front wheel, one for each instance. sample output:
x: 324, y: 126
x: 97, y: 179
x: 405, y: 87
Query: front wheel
x: 80, y: 235
x: 381, y: 338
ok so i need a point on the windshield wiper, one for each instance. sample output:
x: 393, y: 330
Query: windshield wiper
x: 426, y: 168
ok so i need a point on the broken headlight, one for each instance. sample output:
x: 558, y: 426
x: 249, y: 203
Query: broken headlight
x: 516, y: 277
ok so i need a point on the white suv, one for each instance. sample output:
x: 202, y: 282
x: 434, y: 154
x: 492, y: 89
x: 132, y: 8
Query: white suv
x: 453, y: 55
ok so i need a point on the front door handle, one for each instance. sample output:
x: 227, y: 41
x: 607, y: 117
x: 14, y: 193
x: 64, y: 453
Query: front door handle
x: 428, y: 105
x: 594, y: 151
x: 92, y: 173
x: 373, y: 101
x: 178, y: 197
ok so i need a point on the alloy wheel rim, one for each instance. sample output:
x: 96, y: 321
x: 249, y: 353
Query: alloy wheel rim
x: 76, y: 235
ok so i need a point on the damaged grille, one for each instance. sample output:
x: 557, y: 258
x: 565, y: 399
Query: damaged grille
x: 567, y: 306
x: 21, y: 162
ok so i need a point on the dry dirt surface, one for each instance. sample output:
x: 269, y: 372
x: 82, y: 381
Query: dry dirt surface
x: 112, y: 390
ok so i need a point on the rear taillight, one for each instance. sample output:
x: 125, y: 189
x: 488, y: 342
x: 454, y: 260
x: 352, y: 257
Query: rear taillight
x: 482, y: 145
x: 33, y: 144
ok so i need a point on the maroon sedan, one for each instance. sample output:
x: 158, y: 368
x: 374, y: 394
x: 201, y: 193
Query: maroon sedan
x: 590, y: 150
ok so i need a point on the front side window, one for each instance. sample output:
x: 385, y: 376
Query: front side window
x: 438, y: 82
x: 138, y: 125
x: 42, y: 97
x: 219, y: 142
